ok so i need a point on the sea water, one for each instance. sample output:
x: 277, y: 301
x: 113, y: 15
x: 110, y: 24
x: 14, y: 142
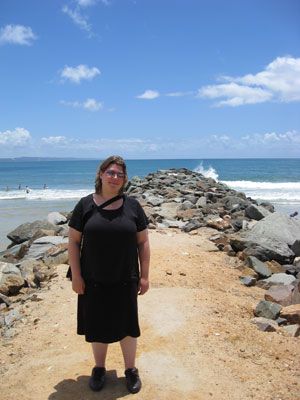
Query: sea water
x: 29, y: 190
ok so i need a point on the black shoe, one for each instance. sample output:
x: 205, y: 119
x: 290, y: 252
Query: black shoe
x: 133, y: 381
x: 97, y: 379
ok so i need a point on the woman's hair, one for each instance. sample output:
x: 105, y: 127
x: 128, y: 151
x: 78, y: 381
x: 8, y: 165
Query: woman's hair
x: 104, y: 166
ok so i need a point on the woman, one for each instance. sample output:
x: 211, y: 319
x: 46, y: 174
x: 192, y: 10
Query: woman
x: 109, y: 259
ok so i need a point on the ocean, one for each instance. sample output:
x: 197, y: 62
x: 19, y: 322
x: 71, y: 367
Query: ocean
x: 29, y: 190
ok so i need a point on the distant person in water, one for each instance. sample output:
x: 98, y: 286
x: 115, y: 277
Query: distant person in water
x: 45, y: 186
x: 19, y: 187
x: 27, y: 190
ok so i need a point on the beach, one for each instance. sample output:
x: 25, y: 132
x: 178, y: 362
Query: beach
x: 197, y: 341
x: 199, y: 338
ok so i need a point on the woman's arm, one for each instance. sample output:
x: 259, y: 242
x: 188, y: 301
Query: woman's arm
x: 144, y: 258
x: 74, y: 260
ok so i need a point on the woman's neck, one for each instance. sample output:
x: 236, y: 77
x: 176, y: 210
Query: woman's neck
x: 107, y: 195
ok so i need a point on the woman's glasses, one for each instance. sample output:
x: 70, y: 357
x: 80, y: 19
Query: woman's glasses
x: 111, y: 173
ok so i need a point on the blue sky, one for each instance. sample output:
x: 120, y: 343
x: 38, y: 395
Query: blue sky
x: 150, y: 78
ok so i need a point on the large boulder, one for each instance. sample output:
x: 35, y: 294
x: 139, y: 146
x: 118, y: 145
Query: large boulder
x: 256, y: 212
x: 27, y: 231
x: 41, y: 245
x: 277, y: 226
x: 270, y: 238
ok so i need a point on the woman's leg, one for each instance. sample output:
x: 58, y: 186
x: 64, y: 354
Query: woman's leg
x: 128, y: 346
x: 100, y: 351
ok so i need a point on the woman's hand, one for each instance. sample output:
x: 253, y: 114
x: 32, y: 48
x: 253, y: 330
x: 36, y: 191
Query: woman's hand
x: 78, y: 284
x: 143, y: 286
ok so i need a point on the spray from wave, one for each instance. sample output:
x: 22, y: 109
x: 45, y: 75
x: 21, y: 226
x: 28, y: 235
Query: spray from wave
x: 207, y: 173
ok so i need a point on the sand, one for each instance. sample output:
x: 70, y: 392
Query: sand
x: 197, y: 339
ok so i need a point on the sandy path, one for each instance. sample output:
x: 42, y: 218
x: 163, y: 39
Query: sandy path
x: 197, y: 341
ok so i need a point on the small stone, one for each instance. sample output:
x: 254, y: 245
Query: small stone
x: 265, y: 324
x: 248, y: 280
x: 259, y: 267
x: 169, y: 272
x: 293, y: 330
x: 291, y: 313
x: 267, y: 309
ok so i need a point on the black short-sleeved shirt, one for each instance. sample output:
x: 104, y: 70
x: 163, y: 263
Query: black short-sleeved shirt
x: 109, y: 243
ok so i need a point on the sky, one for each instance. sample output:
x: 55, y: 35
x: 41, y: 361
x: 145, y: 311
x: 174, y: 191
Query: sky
x: 150, y: 78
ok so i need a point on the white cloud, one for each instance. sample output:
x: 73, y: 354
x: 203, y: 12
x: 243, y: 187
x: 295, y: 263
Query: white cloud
x: 54, y: 140
x: 17, y: 137
x: 273, y: 138
x: 179, y: 94
x: 79, y: 19
x: 92, y: 105
x: 89, y: 104
x: 237, y: 95
x: 149, y: 95
x: 76, y: 74
x: 279, y: 81
x: 17, y: 34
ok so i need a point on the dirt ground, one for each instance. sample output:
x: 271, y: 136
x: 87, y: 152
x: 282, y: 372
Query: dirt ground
x: 197, y: 340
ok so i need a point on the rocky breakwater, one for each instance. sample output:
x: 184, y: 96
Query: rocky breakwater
x: 28, y: 265
x: 266, y: 242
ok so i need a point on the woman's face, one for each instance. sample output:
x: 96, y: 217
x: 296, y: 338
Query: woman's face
x: 113, y: 177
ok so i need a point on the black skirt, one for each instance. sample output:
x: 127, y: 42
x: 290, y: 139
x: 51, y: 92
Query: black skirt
x: 108, y: 313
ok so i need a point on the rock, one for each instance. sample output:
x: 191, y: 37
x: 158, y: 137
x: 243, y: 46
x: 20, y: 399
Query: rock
x: 248, y: 280
x: 293, y: 330
x: 291, y: 313
x: 295, y: 247
x: 40, y: 246
x: 259, y: 267
x: 56, y: 218
x: 296, y: 262
x: 262, y: 248
x: 186, y: 205
x: 4, y: 300
x: 265, y: 324
x: 281, y: 321
x: 57, y: 255
x: 246, y: 271
x: 168, y: 211
x: 277, y: 226
x: 26, y: 231
x: 11, y: 284
x: 174, y: 224
x: 275, y: 267
x: 218, y: 223
x: 26, y: 268
x: 268, y: 206
x: 63, y: 230
x: 188, y: 214
x: 201, y: 202
x: 290, y: 269
x: 268, y: 310
x: 193, y: 224
x: 234, y: 202
x: 280, y: 294
x: 41, y: 233
x: 11, y: 317
x: 277, y: 279
x: 154, y: 201
x: 256, y: 212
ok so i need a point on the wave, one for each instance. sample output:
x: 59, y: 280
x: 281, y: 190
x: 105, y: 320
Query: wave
x: 208, y: 173
x: 275, y: 192
x: 263, y: 185
x: 45, y: 194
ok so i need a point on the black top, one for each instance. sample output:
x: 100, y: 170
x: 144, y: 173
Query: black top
x: 109, y: 243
